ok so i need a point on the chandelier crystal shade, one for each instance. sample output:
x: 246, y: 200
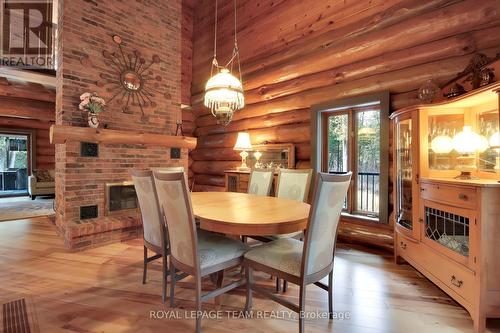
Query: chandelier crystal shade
x: 224, y: 95
x: 224, y: 90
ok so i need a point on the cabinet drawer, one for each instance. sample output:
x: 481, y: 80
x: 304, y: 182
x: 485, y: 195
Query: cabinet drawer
x: 454, y: 195
x: 448, y: 273
x: 406, y: 247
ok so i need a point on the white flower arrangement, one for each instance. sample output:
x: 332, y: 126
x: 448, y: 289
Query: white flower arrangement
x: 92, y: 103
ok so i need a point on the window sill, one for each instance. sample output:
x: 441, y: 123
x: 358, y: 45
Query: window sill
x: 370, y: 221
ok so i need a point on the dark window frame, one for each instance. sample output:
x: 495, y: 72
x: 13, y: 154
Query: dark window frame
x: 319, y: 142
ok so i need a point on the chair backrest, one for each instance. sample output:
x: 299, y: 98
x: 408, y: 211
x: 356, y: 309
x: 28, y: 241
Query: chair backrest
x: 260, y: 182
x: 294, y: 184
x: 321, y: 236
x: 171, y: 169
x: 175, y: 204
x: 150, y: 211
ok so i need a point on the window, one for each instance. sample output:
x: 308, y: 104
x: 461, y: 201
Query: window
x: 354, y: 137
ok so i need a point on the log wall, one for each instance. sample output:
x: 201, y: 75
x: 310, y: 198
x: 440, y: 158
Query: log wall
x: 296, y: 54
x: 29, y: 106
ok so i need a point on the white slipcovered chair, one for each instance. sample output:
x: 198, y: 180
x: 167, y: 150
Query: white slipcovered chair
x: 194, y: 252
x: 154, y: 231
x: 307, y: 262
x: 292, y: 184
x: 260, y: 182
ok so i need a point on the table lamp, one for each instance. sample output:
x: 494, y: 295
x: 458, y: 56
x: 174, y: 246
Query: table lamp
x: 243, y: 143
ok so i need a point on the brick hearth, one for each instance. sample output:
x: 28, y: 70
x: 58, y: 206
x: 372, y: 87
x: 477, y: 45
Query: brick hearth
x: 152, y: 28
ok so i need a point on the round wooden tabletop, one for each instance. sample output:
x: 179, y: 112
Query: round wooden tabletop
x: 248, y: 214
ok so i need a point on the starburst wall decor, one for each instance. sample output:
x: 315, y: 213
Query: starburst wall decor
x: 131, y: 85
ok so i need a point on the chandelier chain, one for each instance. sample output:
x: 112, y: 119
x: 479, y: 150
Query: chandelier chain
x: 214, y: 60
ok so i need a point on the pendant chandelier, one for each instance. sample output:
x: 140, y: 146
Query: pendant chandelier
x: 224, y: 91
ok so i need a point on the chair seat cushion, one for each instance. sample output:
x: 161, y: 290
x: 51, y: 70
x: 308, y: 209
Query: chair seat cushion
x: 215, y: 249
x: 284, y: 254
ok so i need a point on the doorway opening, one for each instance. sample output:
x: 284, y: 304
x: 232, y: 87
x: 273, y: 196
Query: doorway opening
x: 15, y: 164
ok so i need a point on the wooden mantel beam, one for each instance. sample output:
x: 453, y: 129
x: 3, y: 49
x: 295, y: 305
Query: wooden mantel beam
x: 60, y: 134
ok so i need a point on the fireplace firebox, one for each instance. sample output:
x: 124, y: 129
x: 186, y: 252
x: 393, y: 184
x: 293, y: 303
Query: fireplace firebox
x: 120, y: 197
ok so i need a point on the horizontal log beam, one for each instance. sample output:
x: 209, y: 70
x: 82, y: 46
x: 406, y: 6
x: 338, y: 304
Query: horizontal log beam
x: 268, y: 120
x: 321, y: 17
x: 280, y: 134
x: 334, y: 35
x: 221, y: 154
x: 460, y: 18
x: 49, y: 151
x: 445, y: 48
x: 399, y: 81
x: 23, y: 108
x: 32, y: 92
x: 212, y: 180
x: 213, y: 167
x: 45, y: 159
x: 60, y: 134
x: 24, y: 123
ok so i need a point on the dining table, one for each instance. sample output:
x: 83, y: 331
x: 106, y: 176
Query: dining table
x: 234, y: 213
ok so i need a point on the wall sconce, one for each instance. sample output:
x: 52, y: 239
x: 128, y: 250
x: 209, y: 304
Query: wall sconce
x: 243, y: 143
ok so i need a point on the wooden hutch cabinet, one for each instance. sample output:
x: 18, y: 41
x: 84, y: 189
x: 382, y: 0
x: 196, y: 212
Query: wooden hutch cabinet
x: 448, y: 228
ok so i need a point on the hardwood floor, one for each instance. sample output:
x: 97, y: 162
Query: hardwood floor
x: 100, y: 290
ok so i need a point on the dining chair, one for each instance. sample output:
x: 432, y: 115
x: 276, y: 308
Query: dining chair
x: 307, y: 262
x: 260, y: 182
x: 292, y: 184
x: 172, y: 169
x: 194, y: 251
x: 155, y: 235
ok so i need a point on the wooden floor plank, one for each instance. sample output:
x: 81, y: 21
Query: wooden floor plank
x: 100, y: 290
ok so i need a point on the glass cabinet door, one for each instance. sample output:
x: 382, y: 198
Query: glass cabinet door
x: 405, y: 173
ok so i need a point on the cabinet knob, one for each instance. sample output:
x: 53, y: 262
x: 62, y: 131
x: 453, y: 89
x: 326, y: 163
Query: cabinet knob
x: 462, y: 196
x: 456, y: 282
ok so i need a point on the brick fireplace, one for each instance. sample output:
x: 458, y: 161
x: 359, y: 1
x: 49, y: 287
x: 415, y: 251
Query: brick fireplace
x: 82, y: 181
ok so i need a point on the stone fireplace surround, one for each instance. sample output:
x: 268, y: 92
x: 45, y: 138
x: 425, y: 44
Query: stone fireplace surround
x: 81, y: 181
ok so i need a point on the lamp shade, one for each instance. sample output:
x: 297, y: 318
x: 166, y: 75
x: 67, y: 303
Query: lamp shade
x: 243, y: 142
x: 224, y: 95
x: 467, y: 142
x: 442, y: 144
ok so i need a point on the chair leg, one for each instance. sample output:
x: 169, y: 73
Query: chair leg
x: 248, y: 304
x: 145, y: 270
x: 278, y: 285
x: 330, y: 294
x: 198, y: 304
x: 302, y: 308
x: 172, y: 283
x: 164, y: 279
x: 285, y: 285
